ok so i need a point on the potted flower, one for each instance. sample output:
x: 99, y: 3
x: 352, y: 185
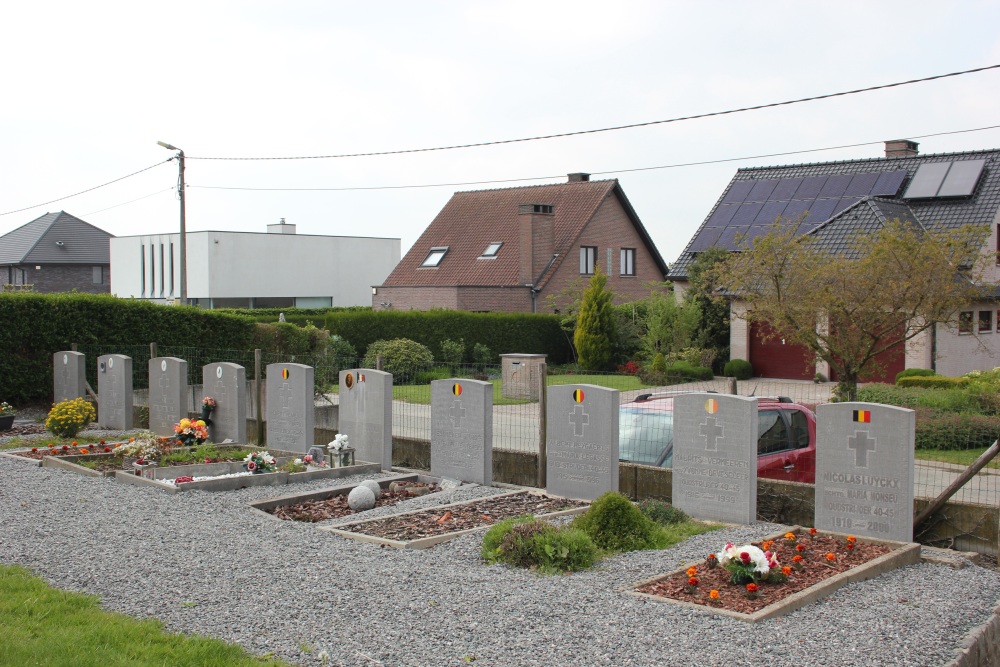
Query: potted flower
x: 6, y: 416
x: 208, y: 405
x: 341, y: 453
x: 258, y: 462
x: 191, y: 432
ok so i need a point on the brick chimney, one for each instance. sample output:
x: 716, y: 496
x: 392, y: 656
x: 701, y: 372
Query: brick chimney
x: 901, y: 148
x: 577, y: 177
x: 536, y: 240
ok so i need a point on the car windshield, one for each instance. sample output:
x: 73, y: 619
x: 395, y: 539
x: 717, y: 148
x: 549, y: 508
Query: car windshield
x: 644, y: 434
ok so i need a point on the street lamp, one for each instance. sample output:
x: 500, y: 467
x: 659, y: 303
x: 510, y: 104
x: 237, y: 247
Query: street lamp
x: 180, y: 191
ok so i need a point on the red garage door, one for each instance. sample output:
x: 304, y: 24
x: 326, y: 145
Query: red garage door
x: 774, y: 358
x: 892, y: 361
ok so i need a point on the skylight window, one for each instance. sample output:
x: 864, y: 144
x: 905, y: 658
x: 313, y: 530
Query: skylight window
x: 435, y: 256
x: 491, y: 251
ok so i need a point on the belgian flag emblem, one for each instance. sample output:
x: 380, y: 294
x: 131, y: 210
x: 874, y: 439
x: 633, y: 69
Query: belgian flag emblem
x: 863, y: 416
x: 711, y: 406
x: 284, y: 373
x: 578, y: 395
x: 456, y: 389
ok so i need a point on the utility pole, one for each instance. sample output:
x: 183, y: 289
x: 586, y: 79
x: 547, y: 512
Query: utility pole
x: 180, y: 192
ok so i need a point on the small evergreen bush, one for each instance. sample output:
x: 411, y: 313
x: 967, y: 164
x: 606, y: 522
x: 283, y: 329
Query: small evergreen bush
x: 741, y: 369
x: 615, y: 524
x: 452, y: 352
x: 662, y: 512
x: 914, y: 372
x: 402, y: 357
x: 67, y: 418
x: 482, y: 355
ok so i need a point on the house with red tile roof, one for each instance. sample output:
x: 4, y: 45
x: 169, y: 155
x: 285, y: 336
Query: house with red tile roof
x: 507, y: 249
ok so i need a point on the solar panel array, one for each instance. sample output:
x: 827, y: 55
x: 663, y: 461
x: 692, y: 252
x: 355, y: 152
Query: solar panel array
x: 945, y: 179
x: 749, y: 208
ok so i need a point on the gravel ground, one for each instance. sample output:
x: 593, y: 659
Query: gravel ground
x: 202, y: 563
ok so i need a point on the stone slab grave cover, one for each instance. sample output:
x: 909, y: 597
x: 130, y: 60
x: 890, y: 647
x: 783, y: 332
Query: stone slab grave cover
x: 114, y: 391
x: 290, y: 419
x: 167, y: 393
x: 715, y: 457
x: 462, y: 430
x: 366, y: 414
x: 581, y: 441
x: 864, y: 470
x: 227, y: 384
x: 68, y: 378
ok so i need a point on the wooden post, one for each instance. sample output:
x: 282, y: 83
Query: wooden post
x: 258, y: 398
x: 959, y: 482
x: 542, y: 424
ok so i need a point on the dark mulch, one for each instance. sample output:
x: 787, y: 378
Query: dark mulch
x: 335, y: 506
x: 475, y: 514
x: 23, y: 429
x: 815, y: 568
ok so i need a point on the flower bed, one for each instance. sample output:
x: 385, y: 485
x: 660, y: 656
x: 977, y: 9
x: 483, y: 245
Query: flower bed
x: 333, y: 505
x: 799, y: 568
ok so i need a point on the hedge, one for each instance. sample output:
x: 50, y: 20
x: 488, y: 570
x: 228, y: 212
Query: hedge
x: 955, y: 431
x: 933, y: 382
x: 35, y: 326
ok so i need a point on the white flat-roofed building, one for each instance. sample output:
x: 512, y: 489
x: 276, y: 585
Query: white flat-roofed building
x: 277, y: 269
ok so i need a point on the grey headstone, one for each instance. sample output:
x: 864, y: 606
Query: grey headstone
x: 715, y: 457
x: 167, y: 393
x: 462, y: 430
x: 290, y: 419
x: 374, y: 486
x: 582, y: 441
x: 360, y: 499
x: 864, y: 470
x: 227, y: 384
x: 68, y: 378
x: 114, y: 391
x: 366, y: 414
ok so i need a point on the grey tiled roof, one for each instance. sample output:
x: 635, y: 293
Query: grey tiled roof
x: 840, y: 234
x: 837, y: 199
x: 36, y: 242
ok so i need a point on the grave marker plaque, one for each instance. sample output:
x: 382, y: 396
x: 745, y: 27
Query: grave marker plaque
x: 715, y: 457
x: 582, y: 441
x: 114, y: 391
x: 167, y: 393
x: 864, y: 470
x: 290, y: 418
x: 366, y: 414
x: 68, y: 379
x: 462, y: 430
x: 227, y: 384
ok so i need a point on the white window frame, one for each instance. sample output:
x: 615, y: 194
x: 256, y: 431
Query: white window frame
x: 434, y: 257
x: 588, y: 260
x: 627, y: 264
x: 492, y: 250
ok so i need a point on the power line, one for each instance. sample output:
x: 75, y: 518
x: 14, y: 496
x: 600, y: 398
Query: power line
x: 52, y: 201
x: 152, y: 194
x: 595, y: 173
x: 617, y: 127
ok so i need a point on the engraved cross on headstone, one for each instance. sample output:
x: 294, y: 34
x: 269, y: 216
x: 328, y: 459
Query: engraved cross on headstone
x: 285, y: 393
x: 712, y: 431
x: 861, y: 443
x: 457, y: 412
x: 579, y: 419
x: 164, y: 385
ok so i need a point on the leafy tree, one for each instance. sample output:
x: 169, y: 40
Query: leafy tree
x: 847, y: 308
x: 713, y: 328
x: 595, y: 328
x: 670, y: 326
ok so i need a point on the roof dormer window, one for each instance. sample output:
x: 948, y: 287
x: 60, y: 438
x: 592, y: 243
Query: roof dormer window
x: 435, y: 256
x: 491, y: 250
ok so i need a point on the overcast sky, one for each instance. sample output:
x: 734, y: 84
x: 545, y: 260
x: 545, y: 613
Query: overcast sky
x: 89, y: 88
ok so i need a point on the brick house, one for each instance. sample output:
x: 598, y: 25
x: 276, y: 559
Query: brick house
x: 57, y: 252
x: 841, y: 200
x: 508, y: 249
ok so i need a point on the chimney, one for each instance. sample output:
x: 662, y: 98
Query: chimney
x: 901, y: 148
x: 536, y: 240
x: 281, y: 228
x: 578, y: 177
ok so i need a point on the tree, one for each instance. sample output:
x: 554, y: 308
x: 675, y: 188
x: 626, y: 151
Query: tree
x: 847, y: 308
x: 713, y: 328
x: 670, y: 326
x: 595, y: 328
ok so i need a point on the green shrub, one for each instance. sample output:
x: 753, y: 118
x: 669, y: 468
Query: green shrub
x: 494, y: 536
x: 615, y: 524
x: 595, y: 326
x: 955, y: 431
x: 914, y: 372
x: 482, y: 355
x: 452, y: 352
x: 565, y: 550
x: 518, y: 547
x: 932, y: 382
x: 662, y: 512
x: 947, y: 400
x: 431, y: 374
x: 659, y: 364
x: 684, y: 370
x: 67, y: 418
x: 530, y: 543
x: 402, y: 357
x: 741, y: 369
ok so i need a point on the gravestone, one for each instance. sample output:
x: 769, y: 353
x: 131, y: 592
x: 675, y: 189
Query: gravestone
x: 68, y: 378
x: 366, y: 414
x: 227, y: 384
x: 114, y: 391
x: 581, y: 441
x: 715, y: 457
x: 462, y: 430
x: 290, y: 419
x: 167, y: 393
x: 864, y: 470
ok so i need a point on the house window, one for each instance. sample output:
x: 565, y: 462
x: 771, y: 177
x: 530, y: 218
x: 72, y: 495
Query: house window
x: 171, y: 269
x: 435, y: 256
x: 162, y: 269
x: 491, y: 250
x: 965, y: 322
x: 98, y: 275
x: 998, y: 245
x: 588, y: 259
x: 142, y: 269
x: 985, y: 321
x: 628, y: 262
x: 152, y: 270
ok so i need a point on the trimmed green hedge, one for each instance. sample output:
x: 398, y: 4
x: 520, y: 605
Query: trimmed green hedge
x: 914, y: 372
x: 932, y: 382
x: 35, y: 326
x: 955, y: 431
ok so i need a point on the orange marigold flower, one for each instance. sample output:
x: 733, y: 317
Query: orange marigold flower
x: 831, y: 557
x: 812, y: 531
x: 693, y: 581
x: 785, y: 570
x: 691, y: 571
x: 752, y: 587
x: 714, y: 594
x: 800, y: 547
x: 789, y: 536
x: 850, y: 546
x: 84, y: 451
x: 74, y: 443
x: 851, y: 538
x: 797, y: 558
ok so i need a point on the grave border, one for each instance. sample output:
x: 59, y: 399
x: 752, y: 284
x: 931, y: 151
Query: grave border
x: 262, y: 506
